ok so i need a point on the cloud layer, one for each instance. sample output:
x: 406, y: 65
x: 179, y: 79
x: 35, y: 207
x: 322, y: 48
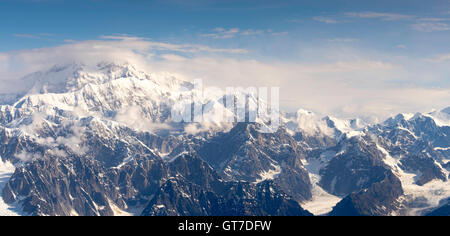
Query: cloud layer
x: 434, y: 24
x: 341, y: 85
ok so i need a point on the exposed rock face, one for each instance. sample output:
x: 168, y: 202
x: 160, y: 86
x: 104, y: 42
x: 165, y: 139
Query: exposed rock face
x: 196, y: 189
x: 416, y: 143
x: 358, y: 165
x: 378, y: 200
x: 56, y: 186
x: 245, y: 154
x: 180, y: 198
x: 185, y: 186
x: 426, y: 166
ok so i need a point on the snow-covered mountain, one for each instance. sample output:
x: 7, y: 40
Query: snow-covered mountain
x: 442, y: 118
x: 100, y: 140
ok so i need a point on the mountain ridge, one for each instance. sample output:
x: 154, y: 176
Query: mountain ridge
x: 115, y: 124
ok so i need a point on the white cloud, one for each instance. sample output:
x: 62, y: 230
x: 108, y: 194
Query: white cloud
x: 28, y: 36
x: 73, y: 142
x: 4, y: 57
x: 434, y: 19
x: 278, y: 33
x: 379, y: 15
x: 431, y: 26
x: 112, y: 48
x: 341, y: 83
x: 133, y: 117
x: 196, y: 128
x: 222, y: 33
x: 325, y: 20
x: 424, y: 24
x: 27, y: 157
x: 355, y: 88
x: 311, y: 123
x: 251, y: 32
x: 188, y: 48
x: 343, y: 40
x: 294, y: 20
x: 33, y: 36
x: 440, y: 58
x: 4, y: 61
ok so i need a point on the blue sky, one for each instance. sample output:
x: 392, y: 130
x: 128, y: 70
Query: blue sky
x: 41, y: 23
x: 361, y: 56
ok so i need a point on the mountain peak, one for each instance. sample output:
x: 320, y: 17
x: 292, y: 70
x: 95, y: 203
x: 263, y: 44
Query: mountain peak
x: 401, y: 118
x: 442, y: 118
x: 406, y: 116
x: 73, y: 76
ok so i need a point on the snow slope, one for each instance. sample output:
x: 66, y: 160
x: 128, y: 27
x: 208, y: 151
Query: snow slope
x: 6, y: 170
x: 442, y: 118
x: 322, y: 202
x: 418, y: 198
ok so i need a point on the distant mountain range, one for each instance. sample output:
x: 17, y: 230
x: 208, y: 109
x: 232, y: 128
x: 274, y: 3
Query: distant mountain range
x: 99, y: 140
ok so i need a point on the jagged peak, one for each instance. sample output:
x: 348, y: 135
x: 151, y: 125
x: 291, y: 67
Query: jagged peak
x: 401, y: 118
x: 405, y: 120
x: 442, y: 118
x: 407, y: 116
